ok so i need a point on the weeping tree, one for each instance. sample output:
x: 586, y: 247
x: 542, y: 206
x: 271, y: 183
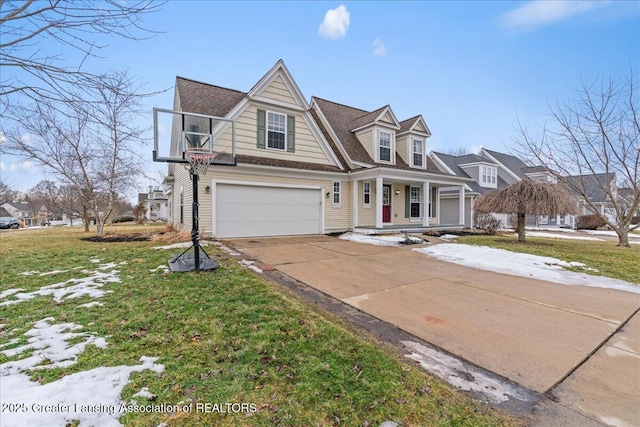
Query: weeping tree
x: 527, y: 197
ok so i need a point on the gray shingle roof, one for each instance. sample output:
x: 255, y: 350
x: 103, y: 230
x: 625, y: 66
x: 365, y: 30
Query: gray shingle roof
x: 592, y: 184
x: 405, y: 125
x: 453, y: 163
x: 512, y: 163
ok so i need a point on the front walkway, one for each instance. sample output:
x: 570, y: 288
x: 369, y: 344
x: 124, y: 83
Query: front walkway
x: 531, y: 332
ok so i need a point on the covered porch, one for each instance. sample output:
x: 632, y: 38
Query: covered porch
x: 403, y: 201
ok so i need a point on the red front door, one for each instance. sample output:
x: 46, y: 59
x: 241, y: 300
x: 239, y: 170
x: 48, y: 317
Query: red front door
x: 386, y: 203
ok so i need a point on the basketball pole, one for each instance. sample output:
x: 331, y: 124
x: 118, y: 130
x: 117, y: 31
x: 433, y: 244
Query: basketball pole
x: 195, y: 238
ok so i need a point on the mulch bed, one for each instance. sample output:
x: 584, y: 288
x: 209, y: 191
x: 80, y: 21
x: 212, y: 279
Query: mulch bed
x: 114, y: 238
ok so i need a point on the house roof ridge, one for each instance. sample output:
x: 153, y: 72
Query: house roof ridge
x: 343, y: 105
x: 373, y: 111
x: 210, y: 85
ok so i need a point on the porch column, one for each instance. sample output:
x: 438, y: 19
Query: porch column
x: 379, y: 202
x: 473, y: 202
x: 355, y: 203
x: 425, y: 203
x: 461, y: 206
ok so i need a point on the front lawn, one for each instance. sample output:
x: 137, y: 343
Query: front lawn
x: 610, y: 260
x: 224, y: 338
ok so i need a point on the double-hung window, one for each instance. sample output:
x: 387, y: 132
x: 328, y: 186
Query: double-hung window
x: 366, y: 194
x: 415, y: 202
x: 418, y: 152
x: 336, y: 193
x: 276, y: 130
x: 385, y: 147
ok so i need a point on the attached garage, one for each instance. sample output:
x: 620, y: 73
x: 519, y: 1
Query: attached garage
x: 251, y: 210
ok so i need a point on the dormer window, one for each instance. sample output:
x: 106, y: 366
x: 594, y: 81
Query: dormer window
x: 488, y: 176
x: 418, y: 152
x: 385, y: 147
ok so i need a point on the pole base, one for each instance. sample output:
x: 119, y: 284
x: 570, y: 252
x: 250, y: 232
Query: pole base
x: 185, y: 262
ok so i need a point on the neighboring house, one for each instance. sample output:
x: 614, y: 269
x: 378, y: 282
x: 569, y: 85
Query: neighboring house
x: 593, y: 185
x: 309, y: 168
x: 483, y: 173
x: 21, y: 211
x: 156, y: 204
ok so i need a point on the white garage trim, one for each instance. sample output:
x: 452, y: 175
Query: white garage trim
x: 215, y: 182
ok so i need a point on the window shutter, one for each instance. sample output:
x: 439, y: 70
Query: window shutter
x: 291, y: 134
x: 261, y: 128
x: 407, y: 201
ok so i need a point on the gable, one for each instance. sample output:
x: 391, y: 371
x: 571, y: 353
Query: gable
x: 277, y: 90
x: 420, y: 127
x: 387, y: 118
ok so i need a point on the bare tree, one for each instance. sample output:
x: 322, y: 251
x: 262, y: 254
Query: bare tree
x: 31, y: 70
x: 90, y: 145
x: 6, y: 193
x: 527, y: 197
x: 591, y: 145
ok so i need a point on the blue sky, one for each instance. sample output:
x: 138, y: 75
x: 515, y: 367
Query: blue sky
x: 470, y: 68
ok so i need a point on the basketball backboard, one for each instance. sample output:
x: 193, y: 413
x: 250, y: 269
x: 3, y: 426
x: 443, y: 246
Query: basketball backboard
x: 176, y: 131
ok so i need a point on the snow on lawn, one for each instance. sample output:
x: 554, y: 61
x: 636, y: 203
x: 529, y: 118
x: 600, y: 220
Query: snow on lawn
x: 182, y: 245
x: 73, y: 288
x: 562, y: 230
x: 92, y: 397
x: 561, y: 236
x: 524, y: 265
x: 609, y: 233
x: 382, y: 240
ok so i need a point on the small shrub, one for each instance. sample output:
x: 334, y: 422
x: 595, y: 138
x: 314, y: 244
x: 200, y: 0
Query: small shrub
x: 590, y: 222
x: 488, y: 223
x: 126, y: 218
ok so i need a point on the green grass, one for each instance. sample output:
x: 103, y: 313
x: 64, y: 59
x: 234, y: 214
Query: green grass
x: 609, y: 259
x: 227, y: 336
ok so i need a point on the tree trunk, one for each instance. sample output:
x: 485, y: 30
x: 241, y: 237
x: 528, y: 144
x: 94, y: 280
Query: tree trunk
x: 521, y: 221
x: 85, y: 219
x: 623, y: 237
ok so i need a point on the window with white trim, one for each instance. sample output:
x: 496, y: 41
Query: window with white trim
x: 336, y: 193
x: 418, y: 152
x: 488, y: 176
x: 414, y: 199
x: 276, y: 130
x: 384, y: 147
x: 366, y: 194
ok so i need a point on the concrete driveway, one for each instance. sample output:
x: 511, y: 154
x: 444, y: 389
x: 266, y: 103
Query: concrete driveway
x: 549, y: 338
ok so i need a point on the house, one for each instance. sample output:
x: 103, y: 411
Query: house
x: 22, y: 211
x: 156, y: 204
x: 309, y: 168
x: 594, y: 186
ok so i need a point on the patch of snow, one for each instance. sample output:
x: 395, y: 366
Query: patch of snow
x: 182, y: 245
x: 29, y: 273
x: 381, y: 240
x: 163, y: 268
x: 449, y: 237
x: 10, y: 292
x: 461, y: 376
x: 94, y: 260
x: 91, y: 304
x: 92, y: 397
x: 144, y: 392
x: 614, y: 422
x: 73, y: 288
x: 9, y: 343
x: 561, y: 236
x: 250, y: 265
x: 524, y: 265
x: 609, y: 233
x: 558, y: 229
x: 50, y: 273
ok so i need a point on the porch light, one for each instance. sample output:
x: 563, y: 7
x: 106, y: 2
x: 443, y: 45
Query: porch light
x: 397, y: 192
x: 327, y: 195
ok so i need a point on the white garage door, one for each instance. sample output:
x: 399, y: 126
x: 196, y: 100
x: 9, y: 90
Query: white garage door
x: 248, y: 211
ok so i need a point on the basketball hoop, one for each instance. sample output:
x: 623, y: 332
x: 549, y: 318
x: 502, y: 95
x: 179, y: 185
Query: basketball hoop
x: 199, y: 160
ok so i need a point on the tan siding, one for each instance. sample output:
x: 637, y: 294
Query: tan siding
x: 420, y: 127
x: 366, y: 139
x: 308, y: 149
x: 278, y: 91
x: 366, y: 216
x: 401, y: 147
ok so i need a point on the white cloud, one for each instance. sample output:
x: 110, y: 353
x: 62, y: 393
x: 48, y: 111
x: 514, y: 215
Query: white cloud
x: 26, y: 165
x: 2, y: 166
x: 543, y: 12
x: 335, y: 23
x: 378, y: 48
